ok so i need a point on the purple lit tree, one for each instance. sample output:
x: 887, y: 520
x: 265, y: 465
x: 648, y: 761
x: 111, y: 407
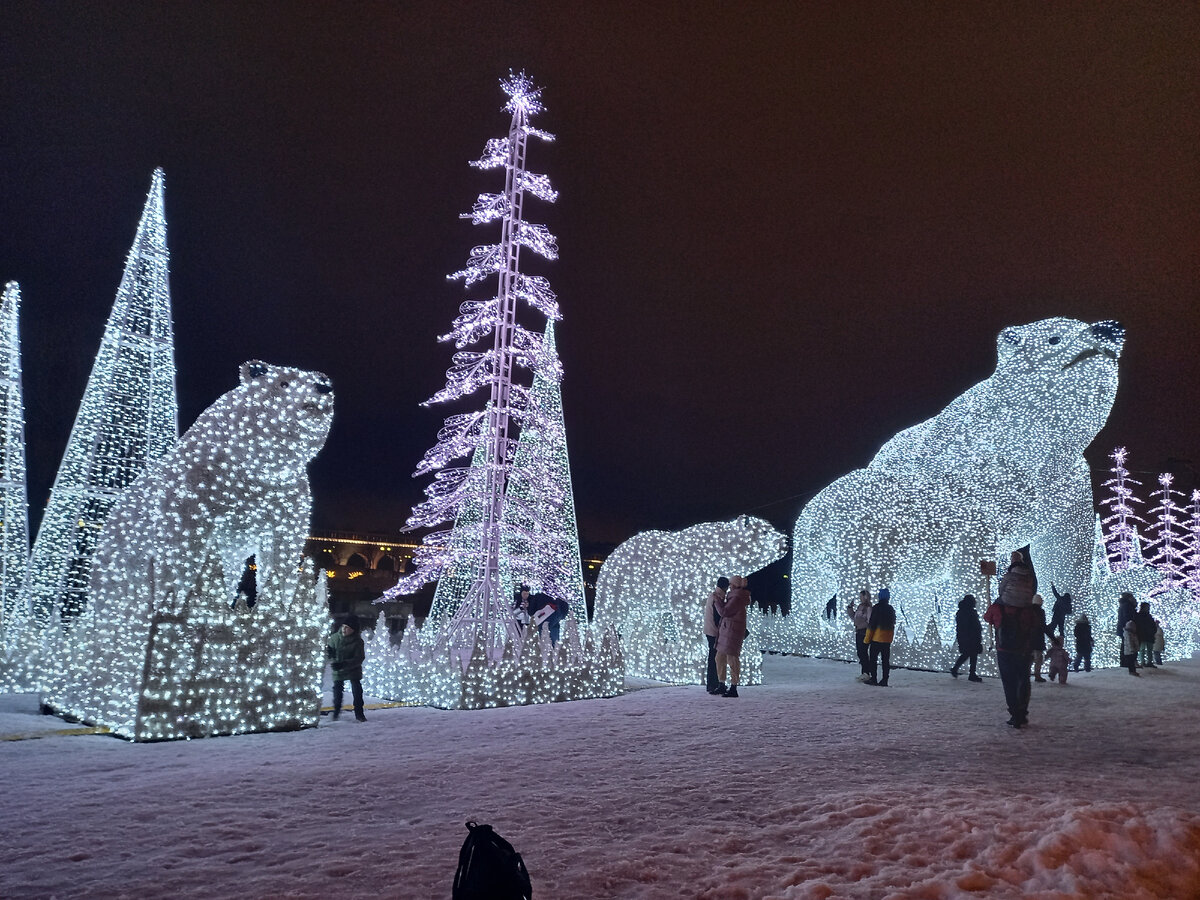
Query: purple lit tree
x: 1192, y: 566
x: 484, y: 613
x: 1168, y: 539
x: 1122, y: 539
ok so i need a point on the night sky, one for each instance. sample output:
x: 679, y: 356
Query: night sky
x: 787, y: 231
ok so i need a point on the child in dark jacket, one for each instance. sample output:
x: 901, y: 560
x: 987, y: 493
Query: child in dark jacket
x: 346, y: 653
x: 1059, y: 660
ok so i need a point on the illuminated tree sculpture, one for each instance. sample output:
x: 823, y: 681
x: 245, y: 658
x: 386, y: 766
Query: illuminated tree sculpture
x: 14, y: 506
x: 128, y: 418
x: 1168, y: 538
x: 485, y: 613
x: 1193, y: 545
x: 541, y: 537
x: 1122, y: 533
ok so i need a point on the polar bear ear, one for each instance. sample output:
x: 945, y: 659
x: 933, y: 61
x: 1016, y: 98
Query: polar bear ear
x: 254, y: 368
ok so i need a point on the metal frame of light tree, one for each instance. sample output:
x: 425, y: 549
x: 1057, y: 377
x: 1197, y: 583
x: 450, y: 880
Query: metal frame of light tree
x: 128, y: 417
x: 14, y: 493
x: 485, y: 613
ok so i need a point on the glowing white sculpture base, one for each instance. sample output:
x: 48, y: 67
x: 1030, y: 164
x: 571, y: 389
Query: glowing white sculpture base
x: 424, y: 672
x: 652, y: 590
x: 209, y: 670
x: 159, y: 653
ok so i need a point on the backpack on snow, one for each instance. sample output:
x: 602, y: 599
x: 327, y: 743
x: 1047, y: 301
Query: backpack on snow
x: 489, y: 868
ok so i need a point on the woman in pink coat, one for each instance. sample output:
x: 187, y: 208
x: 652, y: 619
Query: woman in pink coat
x: 732, y: 610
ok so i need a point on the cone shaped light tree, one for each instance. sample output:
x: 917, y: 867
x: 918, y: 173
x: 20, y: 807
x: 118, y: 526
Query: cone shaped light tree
x: 128, y: 418
x: 541, y: 542
x: 14, y: 494
x: 484, y: 615
x: 1122, y: 532
x: 1168, y: 541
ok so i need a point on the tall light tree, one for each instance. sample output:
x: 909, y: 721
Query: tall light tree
x: 14, y: 492
x: 485, y: 613
x: 1168, y: 536
x: 1122, y: 532
x: 129, y: 417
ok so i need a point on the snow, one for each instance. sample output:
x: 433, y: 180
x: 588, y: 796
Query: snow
x: 809, y: 786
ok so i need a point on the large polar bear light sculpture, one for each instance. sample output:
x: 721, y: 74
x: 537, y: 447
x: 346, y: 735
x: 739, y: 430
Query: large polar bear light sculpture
x: 163, y: 651
x: 1002, y: 466
x: 653, y: 587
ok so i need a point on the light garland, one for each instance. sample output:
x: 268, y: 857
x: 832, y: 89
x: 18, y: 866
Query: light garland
x: 653, y: 587
x: 1000, y: 467
x: 127, y: 419
x: 168, y: 648
x: 14, y: 493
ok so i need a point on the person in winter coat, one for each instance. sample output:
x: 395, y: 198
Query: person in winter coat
x: 1018, y: 585
x: 1083, y: 643
x: 1017, y: 628
x: 1160, y: 642
x: 731, y: 633
x: 861, y: 615
x: 1063, y: 607
x: 346, y: 653
x: 969, y: 633
x: 1058, y: 659
x: 1146, y: 627
x: 1126, y: 610
x: 540, y: 601
x: 878, y: 637
x: 1039, y: 644
x: 1129, y: 646
x: 711, y: 682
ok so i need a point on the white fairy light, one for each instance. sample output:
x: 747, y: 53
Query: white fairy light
x: 167, y: 648
x: 652, y: 590
x: 14, y: 505
x: 127, y: 419
x: 1168, y: 541
x: 1000, y: 467
x: 1122, y: 531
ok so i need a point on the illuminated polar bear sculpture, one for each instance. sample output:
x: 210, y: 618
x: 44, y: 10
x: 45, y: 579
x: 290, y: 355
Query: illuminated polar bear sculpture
x: 653, y: 587
x: 162, y: 651
x: 1000, y: 467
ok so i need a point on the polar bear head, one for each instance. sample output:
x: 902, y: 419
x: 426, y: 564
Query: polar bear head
x: 1059, y: 374
x: 279, y: 417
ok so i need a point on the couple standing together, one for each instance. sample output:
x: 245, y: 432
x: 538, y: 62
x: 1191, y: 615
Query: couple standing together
x: 725, y: 629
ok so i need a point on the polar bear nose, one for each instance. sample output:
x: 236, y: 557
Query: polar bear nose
x: 1110, y: 330
x: 324, y: 387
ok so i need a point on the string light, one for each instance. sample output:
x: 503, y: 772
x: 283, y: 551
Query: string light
x: 652, y: 590
x: 168, y: 648
x: 14, y: 505
x: 1002, y: 466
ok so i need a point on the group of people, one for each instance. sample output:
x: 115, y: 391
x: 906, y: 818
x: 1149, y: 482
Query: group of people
x: 725, y: 630
x: 1024, y: 640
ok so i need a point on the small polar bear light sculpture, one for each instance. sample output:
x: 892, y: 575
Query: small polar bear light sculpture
x: 1002, y: 466
x: 653, y: 587
x: 162, y: 652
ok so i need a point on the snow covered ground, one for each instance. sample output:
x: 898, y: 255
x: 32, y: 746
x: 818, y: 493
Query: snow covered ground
x: 810, y: 786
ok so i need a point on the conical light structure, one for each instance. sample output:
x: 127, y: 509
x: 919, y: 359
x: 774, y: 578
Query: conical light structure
x: 542, y: 537
x: 14, y: 493
x: 129, y: 417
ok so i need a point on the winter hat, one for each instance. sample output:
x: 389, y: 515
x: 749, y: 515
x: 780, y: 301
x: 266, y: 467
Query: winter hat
x: 1037, y: 599
x: 722, y: 583
x: 885, y: 595
x: 352, y: 621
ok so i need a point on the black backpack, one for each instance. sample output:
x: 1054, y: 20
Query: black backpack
x: 489, y: 868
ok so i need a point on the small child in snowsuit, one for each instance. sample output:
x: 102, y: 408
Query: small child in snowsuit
x: 1160, y: 643
x: 1059, y: 660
